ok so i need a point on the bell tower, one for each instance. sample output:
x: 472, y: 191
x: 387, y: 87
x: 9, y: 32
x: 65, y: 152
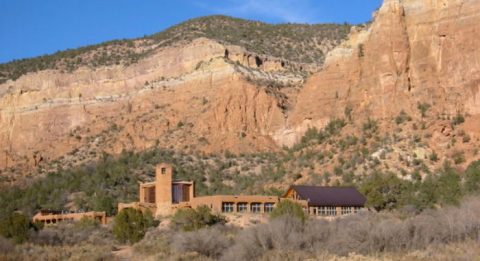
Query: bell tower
x: 163, y: 187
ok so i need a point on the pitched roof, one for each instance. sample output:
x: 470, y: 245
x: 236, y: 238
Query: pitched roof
x: 330, y: 196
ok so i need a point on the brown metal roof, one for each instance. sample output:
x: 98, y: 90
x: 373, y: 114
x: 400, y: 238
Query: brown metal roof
x: 330, y: 196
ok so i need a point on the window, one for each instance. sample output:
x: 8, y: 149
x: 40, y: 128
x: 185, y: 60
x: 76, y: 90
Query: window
x: 268, y: 207
x: 163, y: 170
x: 242, y: 207
x: 150, y: 195
x: 347, y: 210
x: 255, y: 207
x: 350, y: 210
x: 227, y: 207
x: 327, y: 211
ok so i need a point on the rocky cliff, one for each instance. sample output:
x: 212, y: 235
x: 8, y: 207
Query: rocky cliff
x: 415, y: 52
x: 213, y: 96
x: 189, y: 97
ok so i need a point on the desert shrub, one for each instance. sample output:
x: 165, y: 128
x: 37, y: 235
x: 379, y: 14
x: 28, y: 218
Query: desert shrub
x: 310, y: 134
x: 424, y: 196
x: 284, y: 233
x: 130, y: 225
x: 402, y: 117
x: 155, y: 242
x: 458, y: 119
x: 16, y: 226
x: 194, y: 219
x: 210, y: 242
x: 423, y: 108
x: 364, y: 233
x: 449, y: 187
x: 45, y: 237
x: 334, y: 126
x: 6, y: 246
x: 369, y: 127
x: 286, y: 237
x: 472, y: 178
x: 458, y: 157
x: 72, y: 233
x: 105, y: 203
x: 288, y: 208
x: 383, y: 191
x: 356, y: 238
x: 31, y: 252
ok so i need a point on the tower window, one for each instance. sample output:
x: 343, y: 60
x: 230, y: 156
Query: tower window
x: 163, y: 170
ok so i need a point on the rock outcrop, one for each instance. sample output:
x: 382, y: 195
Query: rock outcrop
x: 188, y: 96
x: 414, y: 52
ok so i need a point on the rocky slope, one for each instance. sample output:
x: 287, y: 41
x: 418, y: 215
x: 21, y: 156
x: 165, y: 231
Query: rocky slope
x: 212, y: 95
x: 192, y: 94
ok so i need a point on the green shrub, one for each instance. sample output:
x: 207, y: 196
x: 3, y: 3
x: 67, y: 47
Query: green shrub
x: 472, y: 177
x: 423, y: 108
x: 458, y: 119
x: 334, y: 126
x: 402, y: 117
x: 193, y: 219
x: 104, y: 203
x: 370, y: 125
x: 131, y: 224
x: 288, y: 208
x: 86, y: 223
x: 383, y: 191
x: 458, y: 157
x: 449, y: 188
x: 16, y: 226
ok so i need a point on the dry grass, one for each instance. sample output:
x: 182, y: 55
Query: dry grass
x: 451, y: 233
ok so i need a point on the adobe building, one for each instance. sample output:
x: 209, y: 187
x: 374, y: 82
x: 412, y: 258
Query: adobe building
x: 164, y: 196
x: 48, y: 217
x: 327, y: 201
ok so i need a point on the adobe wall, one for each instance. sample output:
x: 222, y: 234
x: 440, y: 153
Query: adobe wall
x: 215, y: 202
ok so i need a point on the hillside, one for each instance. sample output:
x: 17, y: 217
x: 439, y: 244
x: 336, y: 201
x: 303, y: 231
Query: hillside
x: 291, y: 42
x: 399, y: 95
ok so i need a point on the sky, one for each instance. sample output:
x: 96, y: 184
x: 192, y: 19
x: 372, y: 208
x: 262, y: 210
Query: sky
x: 30, y: 28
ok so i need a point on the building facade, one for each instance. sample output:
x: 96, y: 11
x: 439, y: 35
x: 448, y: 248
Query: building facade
x: 327, y: 201
x: 48, y: 217
x: 164, y: 196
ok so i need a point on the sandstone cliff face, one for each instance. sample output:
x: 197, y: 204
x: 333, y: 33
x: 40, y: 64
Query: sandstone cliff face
x: 187, y: 96
x: 414, y: 52
x: 211, y: 97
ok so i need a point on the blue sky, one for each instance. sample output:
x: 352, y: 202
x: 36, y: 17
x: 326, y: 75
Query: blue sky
x: 30, y: 28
